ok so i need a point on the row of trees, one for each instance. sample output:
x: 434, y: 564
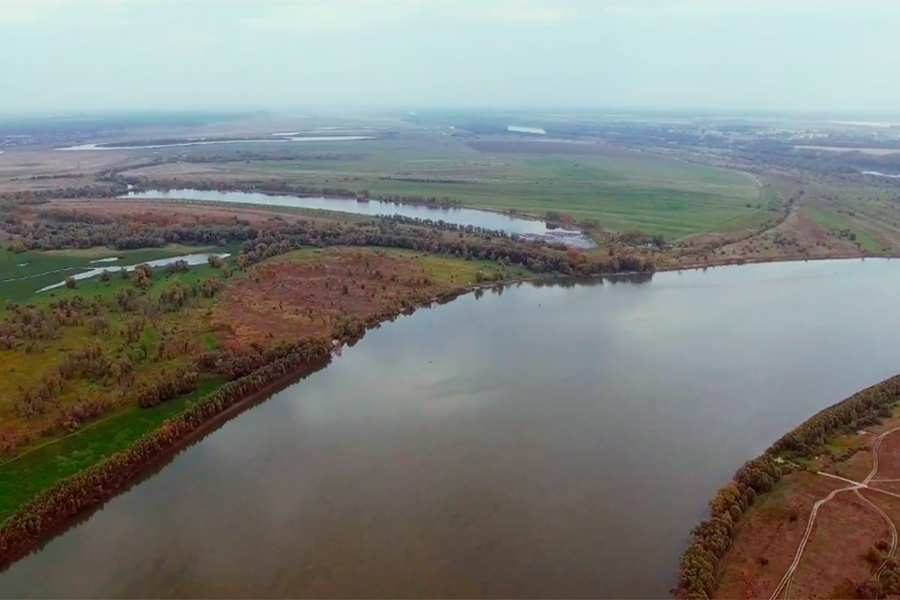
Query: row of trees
x: 701, y: 562
x: 68, y: 497
x: 43, y: 195
x: 167, y: 387
x: 61, y: 229
x: 391, y: 233
x: 234, y: 364
x: 399, y: 232
x: 860, y: 410
x: 711, y: 539
x: 47, y: 234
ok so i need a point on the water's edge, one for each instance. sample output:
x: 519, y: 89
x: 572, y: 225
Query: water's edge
x: 12, y: 551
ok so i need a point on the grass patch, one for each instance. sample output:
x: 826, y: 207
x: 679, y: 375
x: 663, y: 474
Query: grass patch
x: 210, y: 342
x: 22, y: 275
x: 835, y: 222
x: 30, y: 473
x: 441, y: 269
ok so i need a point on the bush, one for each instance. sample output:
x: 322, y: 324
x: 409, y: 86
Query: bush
x: 71, y: 283
x: 179, y: 266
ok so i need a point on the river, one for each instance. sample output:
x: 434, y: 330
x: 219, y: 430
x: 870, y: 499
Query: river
x: 546, y: 441
x: 528, y: 228
x: 204, y: 142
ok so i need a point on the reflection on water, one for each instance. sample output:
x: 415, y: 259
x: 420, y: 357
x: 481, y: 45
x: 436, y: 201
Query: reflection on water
x: 547, y: 441
x: 567, y: 282
x: 460, y: 216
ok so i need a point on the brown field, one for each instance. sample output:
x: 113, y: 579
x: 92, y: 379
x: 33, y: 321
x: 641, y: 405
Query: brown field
x: 308, y: 293
x: 770, y: 533
x: 834, y: 562
x: 168, y: 211
x: 18, y: 166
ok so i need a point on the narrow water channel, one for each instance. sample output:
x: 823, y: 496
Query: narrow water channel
x: 528, y: 228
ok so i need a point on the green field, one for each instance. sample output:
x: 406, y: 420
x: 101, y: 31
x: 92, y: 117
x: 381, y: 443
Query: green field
x: 42, y: 463
x: 832, y: 221
x: 649, y: 194
x: 22, y: 275
x: 26, y: 475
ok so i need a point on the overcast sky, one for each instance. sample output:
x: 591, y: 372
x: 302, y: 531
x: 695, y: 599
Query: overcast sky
x: 753, y: 55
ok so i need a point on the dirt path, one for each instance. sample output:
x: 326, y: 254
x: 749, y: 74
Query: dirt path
x: 890, y: 525
x: 787, y: 581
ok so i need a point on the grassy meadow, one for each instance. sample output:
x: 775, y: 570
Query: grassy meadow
x: 30, y: 473
x: 621, y: 191
x: 22, y: 275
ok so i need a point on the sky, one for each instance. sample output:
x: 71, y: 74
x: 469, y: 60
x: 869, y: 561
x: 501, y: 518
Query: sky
x: 753, y: 55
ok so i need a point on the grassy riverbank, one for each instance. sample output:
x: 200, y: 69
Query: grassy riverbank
x: 310, y: 296
x: 25, y: 476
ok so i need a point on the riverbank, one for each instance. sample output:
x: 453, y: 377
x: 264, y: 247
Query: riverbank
x: 435, y: 280
x: 665, y: 268
x: 755, y: 532
x: 391, y: 441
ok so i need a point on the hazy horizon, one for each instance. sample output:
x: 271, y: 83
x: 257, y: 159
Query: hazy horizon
x: 668, y: 56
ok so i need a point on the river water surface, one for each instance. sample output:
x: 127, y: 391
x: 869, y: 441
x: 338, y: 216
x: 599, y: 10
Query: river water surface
x: 528, y: 228
x: 546, y: 441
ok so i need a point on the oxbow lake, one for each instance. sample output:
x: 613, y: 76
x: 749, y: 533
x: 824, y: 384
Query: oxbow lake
x: 191, y: 259
x: 553, y: 440
x: 527, y: 228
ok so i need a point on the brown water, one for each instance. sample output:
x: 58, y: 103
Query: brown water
x: 544, y: 442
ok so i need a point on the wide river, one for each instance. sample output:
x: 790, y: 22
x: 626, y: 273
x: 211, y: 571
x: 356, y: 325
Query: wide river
x: 528, y: 228
x: 546, y: 441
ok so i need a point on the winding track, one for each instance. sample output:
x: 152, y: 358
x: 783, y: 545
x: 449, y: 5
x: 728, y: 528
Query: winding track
x: 891, y: 526
x: 789, y: 575
x: 787, y: 580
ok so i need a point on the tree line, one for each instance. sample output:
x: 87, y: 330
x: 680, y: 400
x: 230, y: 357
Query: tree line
x: 393, y: 234
x: 700, y: 566
x: 85, y: 231
x: 59, y: 229
x: 68, y: 497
